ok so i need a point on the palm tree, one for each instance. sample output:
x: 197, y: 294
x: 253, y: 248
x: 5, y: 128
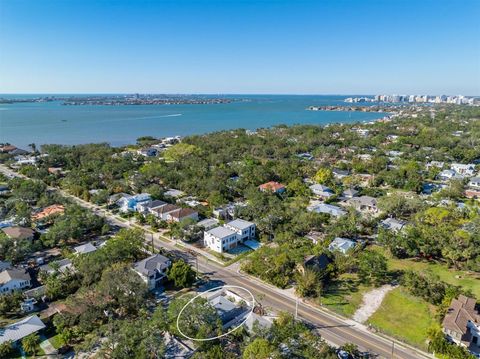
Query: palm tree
x: 30, y: 343
x: 33, y: 147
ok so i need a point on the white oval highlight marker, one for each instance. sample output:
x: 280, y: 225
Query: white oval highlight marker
x: 231, y: 330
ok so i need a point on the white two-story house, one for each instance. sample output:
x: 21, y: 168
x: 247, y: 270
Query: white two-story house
x: 244, y: 229
x: 224, y: 238
x: 13, y: 279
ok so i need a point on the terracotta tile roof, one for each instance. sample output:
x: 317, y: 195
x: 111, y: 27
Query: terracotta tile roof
x: 7, y: 148
x: 49, y: 211
x: 271, y: 186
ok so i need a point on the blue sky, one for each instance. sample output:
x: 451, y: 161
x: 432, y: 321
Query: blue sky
x: 296, y: 47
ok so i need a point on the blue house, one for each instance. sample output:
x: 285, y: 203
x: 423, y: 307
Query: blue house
x: 129, y: 203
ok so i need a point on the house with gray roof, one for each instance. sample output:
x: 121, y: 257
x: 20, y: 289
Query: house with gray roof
x: 364, y: 204
x: 474, y: 182
x: 60, y: 266
x: 321, y: 190
x: 208, y: 223
x: 327, y: 209
x: 13, y: 279
x: 220, y: 239
x: 392, y: 224
x: 244, y: 229
x: 153, y: 269
x: 84, y: 248
x: 19, y: 330
x: 350, y: 193
x: 342, y: 245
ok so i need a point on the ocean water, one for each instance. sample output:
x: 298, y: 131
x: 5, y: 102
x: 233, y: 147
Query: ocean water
x: 51, y: 122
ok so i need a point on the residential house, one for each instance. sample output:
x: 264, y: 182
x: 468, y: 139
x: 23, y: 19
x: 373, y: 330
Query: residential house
x: 227, y: 211
x: 208, y: 223
x: 162, y: 211
x: 60, y: 266
x: 21, y: 329
x: 342, y: 245
x: 317, y: 263
x: 148, y: 152
x: 474, y: 182
x: 181, y: 214
x: 436, y: 164
x: 305, y: 156
x: 13, y: 279
x: 446, y: 175
x: 144, y: 207
x: 28, y: 305
x: 350, y: 193
x: 244, y: 229
x: 129, y: 203
x: 153, y: 269
x: 465, y: 170
x: 19, y: 233
x: 315, y: 237
x: 472, y: 193
x: 174, y: 193
x: 340, y: 174
x: 220, y: 239
x: 327, y: 208
x: 393, y: 224
x: 47, y: 212
x: 229, y: 305
x: 462, y: 323
x: 7, y: 148
x: 84, y: 248
x: 273, y: 187
x: 364, y: 204
x: 321, y: 191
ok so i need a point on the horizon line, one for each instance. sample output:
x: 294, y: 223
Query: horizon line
x: 230, y: 94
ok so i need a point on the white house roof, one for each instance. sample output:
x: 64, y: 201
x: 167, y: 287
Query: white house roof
x: 208, y: 222
x: 341, y: 244
x: 320, y: 188
x: 392, y: 223
x: 221, y: 232
x: 85, y: 248
x: 240, y: 224
x: 174, y: 193
x: 327, y: 208
x: 21, y: 329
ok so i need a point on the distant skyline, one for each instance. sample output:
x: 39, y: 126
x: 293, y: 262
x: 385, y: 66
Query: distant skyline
x: 240, y: 47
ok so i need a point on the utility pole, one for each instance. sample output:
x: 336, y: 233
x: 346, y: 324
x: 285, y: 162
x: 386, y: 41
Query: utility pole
x: 153, y: 247
x: 393, y: 348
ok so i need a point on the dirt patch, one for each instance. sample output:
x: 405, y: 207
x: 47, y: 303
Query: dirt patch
x: 371, y: 302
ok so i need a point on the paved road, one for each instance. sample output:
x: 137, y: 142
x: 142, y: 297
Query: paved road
x: 332, y: 328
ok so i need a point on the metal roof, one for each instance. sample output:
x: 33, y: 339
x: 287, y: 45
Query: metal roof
x: 21, y: 329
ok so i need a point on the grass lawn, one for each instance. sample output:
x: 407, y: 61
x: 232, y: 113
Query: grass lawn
x: 344, y: 295
x: 56, y: 341
x: 405, y: 317
x: 467, y: 280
